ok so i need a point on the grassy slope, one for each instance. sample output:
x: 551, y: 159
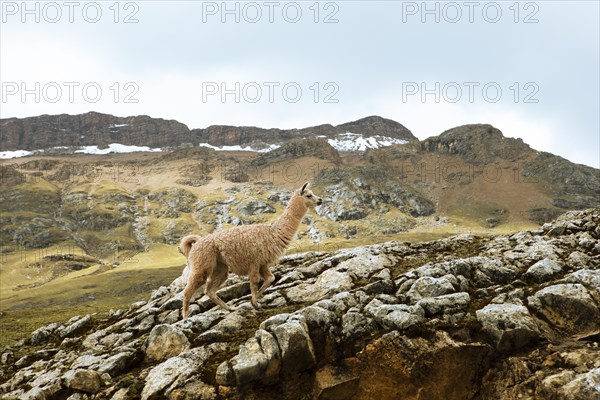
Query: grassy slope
x: 96, y: 289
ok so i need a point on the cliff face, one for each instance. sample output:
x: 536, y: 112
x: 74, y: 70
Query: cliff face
x: 480, y: 143
x: 46, y: 131
x: 219, y: 135
x: 502, y: 317
x: 90, y: 129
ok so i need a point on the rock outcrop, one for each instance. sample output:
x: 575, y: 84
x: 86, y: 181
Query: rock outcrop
x: 505, y: 317
x: 96, y: 129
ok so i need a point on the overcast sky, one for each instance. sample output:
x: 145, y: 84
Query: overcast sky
x: 530, y: 69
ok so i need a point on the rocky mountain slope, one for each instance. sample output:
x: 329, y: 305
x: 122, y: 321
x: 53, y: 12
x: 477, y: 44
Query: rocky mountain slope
x: 96, y: 129
x: 503, y: 317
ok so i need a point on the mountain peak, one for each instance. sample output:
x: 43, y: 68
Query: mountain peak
x: 472, y: 130
x: 376, y: 125
x: 477, y: 143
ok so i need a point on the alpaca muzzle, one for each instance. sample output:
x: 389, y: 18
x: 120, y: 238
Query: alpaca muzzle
x: 319, y: 201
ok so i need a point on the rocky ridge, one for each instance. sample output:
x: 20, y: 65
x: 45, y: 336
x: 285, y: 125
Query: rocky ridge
x: 96, y: 129
x: 506, y: 317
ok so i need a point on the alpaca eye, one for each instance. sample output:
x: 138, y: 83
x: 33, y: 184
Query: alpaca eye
x: 310, y: 195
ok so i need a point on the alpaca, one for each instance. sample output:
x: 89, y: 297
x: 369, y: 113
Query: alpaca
x: 245, y: 250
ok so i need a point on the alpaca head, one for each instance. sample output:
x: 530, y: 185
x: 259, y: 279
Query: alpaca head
x: 309, y: 198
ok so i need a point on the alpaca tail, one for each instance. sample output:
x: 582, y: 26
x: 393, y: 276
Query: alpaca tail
x: 186, y: 244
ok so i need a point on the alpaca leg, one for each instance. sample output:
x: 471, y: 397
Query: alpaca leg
x: 194, y: 282
x: 217, y: 278
x: 254, y: 288
x: 268, y: 278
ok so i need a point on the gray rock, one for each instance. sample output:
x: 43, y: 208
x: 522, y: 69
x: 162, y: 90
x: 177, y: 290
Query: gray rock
x: 44, y: 386
x: 42, y: 334
x: 258, y: 359
x: 356, y: 325
x: 318, y: 316
x: 274, y: 300
x: 121, y: 394
x: 115, y: 339
x: 224, y: 375
x: 177, y: 369
x: 75, y: 328
x: 87, y: 361
x: 428, y: 286
x: 588, y: 278
x: 271, y: 350
x: 163, y: 375
x: 363, y: 264
x: 201, y: 322
x: 579, y: 259
x: 117, y: 363
x: 509, y: 325
x: 585, y: 386
x: 160, y: 293
x: 569, y: 307
x: 165, y: 341
x: 395, y: 316
x: 328, y: 283
x: 144, y: 325
x: 7, y: 357
x: 399, y: 319
x: 174, y: 303
x: 250, y: 363
x: 543, y: 271
x: 93, y: 339
x: 255, y: 206
x: 271, y: 322
x: 297, y: 351
x: 291, y: 276
x: 445, y: 304
x: 231, y: 323
x: 586, y: 241
x: 83, y: 379
x: 490, y: 272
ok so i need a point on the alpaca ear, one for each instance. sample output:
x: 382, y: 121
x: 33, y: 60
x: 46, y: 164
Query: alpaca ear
x: 303, y: 187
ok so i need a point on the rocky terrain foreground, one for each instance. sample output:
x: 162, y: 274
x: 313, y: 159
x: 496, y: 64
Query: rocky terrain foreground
x: 506, y: 317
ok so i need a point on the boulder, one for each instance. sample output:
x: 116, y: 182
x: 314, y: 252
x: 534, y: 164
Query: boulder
x: 165, y: 341
x: 297, y: 351
x: 84, y: 380
x: 395, y: 316
x: 428, y: 286
x: 328, y: 283
x: 510, y: 326
x: 42, y: 334
x: 543, y: 270
x: 569, y: 307
x: 445, y: 304
x: 76, y: 326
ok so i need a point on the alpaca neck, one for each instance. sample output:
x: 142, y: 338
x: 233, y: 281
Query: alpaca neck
x: 289, y: 222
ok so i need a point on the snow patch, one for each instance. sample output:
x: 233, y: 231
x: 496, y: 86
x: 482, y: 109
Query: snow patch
x: 14, y: 154
x: 118, y: 125
x: 114, y: 148
x: 271, y: 147
x: 356, y: 142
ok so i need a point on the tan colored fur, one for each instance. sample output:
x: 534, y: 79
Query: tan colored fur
x: 245, y: 250
x: 186, y: 243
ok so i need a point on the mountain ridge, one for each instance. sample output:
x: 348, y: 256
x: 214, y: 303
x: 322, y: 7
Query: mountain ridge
x: 98, y: 129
